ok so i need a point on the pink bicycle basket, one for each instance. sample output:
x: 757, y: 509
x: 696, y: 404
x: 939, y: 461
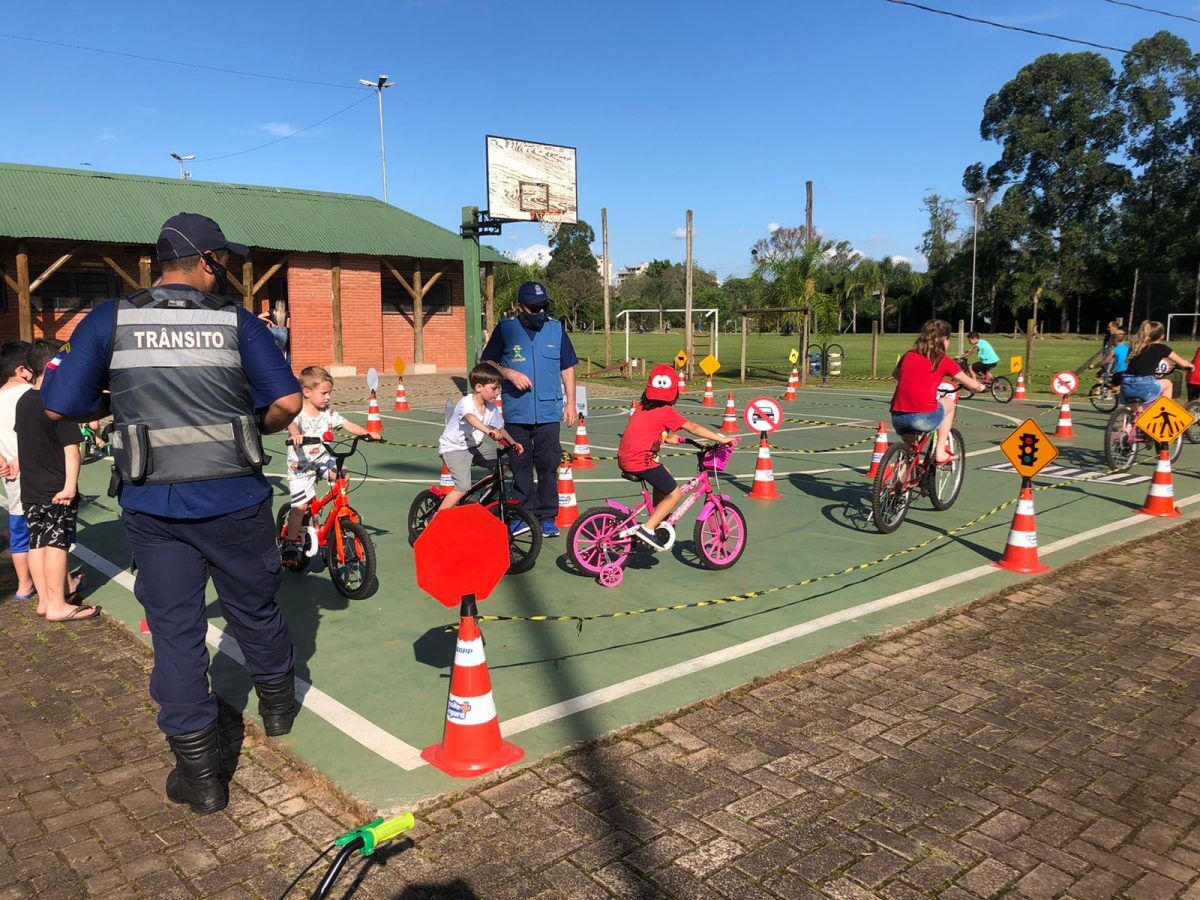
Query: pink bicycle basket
x: 718, y: 458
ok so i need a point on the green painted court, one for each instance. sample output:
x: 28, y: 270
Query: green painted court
x: 379, y: 667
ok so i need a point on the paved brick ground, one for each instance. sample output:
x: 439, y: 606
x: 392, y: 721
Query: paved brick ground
x: 1042, y: 743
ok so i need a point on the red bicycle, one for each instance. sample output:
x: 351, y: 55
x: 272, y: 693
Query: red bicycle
x: 340, y: 535
x: 908, y: 471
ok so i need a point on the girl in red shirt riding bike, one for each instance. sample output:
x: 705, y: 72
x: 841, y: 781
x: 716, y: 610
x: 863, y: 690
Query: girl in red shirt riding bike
x: 916, y: 406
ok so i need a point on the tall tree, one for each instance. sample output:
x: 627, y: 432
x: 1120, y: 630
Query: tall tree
x: 571, y: 248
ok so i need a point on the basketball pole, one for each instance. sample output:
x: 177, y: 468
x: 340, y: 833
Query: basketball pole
x: 472, y: 294
x: 607, y: 267
x: 687, y: 297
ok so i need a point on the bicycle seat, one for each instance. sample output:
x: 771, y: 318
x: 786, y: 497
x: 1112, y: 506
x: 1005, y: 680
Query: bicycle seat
x: 630, y: 476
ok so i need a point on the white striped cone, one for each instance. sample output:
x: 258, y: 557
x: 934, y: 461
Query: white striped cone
x: 446, y: 480
x: 471, y: 742
x: 1160, y: 501
x: 582, y: 457
x: 729, y: 423
x: 764, y: 474
x: 374, y: 422
x: 881, y: 445
x: 401, y: 398
x: 1020, y: 552
x: 709, y: 399
x: 682, y: 383
x: 793, y: 382
x: 1064, y: 429
x: 568, y: 504
x: 632, y: 408
x: 1019, y: 393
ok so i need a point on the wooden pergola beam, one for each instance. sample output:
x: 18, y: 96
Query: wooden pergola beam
x: 24, y: 307
x: 51, y: 269
x: 270, y: 273
x: 400, y: 278
x: 112, y: 264
x: 12, y: 285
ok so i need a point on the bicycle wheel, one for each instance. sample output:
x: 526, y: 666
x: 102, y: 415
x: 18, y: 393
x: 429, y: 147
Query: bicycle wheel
x: 355, y: 577
x: 298, y: 566
x: 421, y: 512
x: 1104, y: 397
x: 945, y: 482
x: 592, y: 542
x: 1193, y: 432
x: 890, y: 494
x: 1002, y: 389
x: 720, y: 539
x: 964, y: 392
x: 523, y: 548
x: 1120, y: 440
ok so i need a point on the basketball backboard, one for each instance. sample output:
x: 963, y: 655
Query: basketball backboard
x: 528, y: 181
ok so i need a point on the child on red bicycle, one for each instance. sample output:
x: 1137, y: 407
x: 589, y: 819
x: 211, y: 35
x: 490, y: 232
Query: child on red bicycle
x: 916, y: 408
x: 461, y: 444
x: 637, y: 452
x: 308, y: 462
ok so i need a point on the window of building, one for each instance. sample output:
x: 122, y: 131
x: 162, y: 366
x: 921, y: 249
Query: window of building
x: 69, y: 291
x: 396, y: 300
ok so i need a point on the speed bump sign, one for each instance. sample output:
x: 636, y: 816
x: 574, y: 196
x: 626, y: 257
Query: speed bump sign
x: 1029, y: 449
x: 1015, y: 365
x: 709, y: 365
x: 681, y: 359
x: 794, y: 356
x: 1164, y: 420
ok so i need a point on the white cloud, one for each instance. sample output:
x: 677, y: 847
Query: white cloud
x: 279, y: 129
x: 772, y: 227
x: 878, y: 239
x: 538, y: 254
x: 902, y: 259
x: 680, y: 234
x: 108, y: 136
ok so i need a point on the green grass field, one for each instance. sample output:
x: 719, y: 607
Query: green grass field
x: 767, y: 354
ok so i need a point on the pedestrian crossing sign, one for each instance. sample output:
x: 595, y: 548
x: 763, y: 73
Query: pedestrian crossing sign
x: 1164, y: 420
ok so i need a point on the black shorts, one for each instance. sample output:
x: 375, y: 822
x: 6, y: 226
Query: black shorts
x: 980, y: 368
x: 658, y: 478
x: 1193, y: 392
x: 51, y: 525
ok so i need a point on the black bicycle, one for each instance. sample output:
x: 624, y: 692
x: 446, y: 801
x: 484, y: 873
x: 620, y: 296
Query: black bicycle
x: 524, y: 529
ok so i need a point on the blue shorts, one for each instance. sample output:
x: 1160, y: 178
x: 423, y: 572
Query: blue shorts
x: 1139, y: 387
x: 918, y: 422
x: 18, y: 534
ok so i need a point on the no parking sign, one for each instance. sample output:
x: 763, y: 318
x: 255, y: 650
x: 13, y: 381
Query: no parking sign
x: 763, y: 414
x: 1065, y: 383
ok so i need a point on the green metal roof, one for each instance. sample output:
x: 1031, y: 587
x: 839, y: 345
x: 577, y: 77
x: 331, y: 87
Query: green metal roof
x: 70, y: 204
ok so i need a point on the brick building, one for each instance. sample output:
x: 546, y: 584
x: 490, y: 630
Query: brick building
x: 361, y: 281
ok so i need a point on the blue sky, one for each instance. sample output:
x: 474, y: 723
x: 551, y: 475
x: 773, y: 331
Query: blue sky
x: 726, y: 108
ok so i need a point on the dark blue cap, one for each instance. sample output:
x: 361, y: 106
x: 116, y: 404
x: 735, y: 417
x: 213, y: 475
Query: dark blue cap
x: 533, y: 295
x: 190, y: 234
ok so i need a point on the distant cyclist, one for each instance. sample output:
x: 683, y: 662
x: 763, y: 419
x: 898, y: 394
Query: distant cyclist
x: 1145, y: 377
x: 1115, y: 359
x: 988, y: 358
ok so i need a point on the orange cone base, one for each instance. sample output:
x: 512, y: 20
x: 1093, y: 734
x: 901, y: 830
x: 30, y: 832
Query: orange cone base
x: 456, y: 766
x: 1160, y: 510
x: 1022, y: 568
x: 765, y: 490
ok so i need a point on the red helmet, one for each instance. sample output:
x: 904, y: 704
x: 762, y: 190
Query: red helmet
x: 663, y: 384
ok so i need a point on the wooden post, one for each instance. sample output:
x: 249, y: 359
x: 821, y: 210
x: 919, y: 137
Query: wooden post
x: 24, y: 306
x: 606, y: 275
x: 336, y: 279
x: 419, y: 317
x: 1028, y: 367
x: 744, y: 319
x: 961, y: 337
x: 145, y: 273
x: 248, y: 285
x: 874, y: 349
x: 489, y: 296
x: 687, y: 297
x: 808, y: 226
x: 1133, y: 296
x: 804, y: 351
x: 1196, y: 317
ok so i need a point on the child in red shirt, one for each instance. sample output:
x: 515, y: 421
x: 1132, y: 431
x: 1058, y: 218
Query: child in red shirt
x: 637, y: 452
x: 1193, y: 379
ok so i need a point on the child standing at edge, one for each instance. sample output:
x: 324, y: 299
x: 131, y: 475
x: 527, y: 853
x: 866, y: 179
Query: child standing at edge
x: 640, y: 443
x: 308, y: 462
x: 14, y: 368
x: 49, y: 462
x: 461, y: 444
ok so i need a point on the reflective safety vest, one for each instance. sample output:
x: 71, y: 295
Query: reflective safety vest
x: 540, y: 359
x: 180, y: 401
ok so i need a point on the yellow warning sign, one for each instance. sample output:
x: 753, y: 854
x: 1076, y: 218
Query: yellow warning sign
x: 681, y: 359
x: 709, y: 365
x: 794, y: 356
x: 1029, y: 449
x: 1164, y: 420
x: 398, y: 365
x: 1015, y: 365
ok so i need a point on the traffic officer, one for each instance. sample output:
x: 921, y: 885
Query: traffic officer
x: 195, y: 380
x: 538, y: 362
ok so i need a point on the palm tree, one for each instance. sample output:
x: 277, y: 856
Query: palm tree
x: 794, y: 281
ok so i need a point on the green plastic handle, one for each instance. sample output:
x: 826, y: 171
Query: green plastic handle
x: 392, y: 828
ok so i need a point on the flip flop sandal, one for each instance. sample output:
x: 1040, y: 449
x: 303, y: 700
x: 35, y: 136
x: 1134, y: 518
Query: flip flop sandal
x: 74, y: 597
x: 76, y: 617
x: 30, y: 596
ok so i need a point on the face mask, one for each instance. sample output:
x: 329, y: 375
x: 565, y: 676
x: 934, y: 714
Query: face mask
x: 221, y: 273
x: 534, y: 320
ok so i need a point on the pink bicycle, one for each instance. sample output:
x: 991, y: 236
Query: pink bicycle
x: 595, y: 545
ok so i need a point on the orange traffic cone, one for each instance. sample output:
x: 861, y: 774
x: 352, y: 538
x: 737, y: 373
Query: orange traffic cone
x: 709, y: 399
x: 729, y: 423
x: 632, y: 408
x: 881, y: 444
x: 446, y: 481
x: 374, y: 423
x: 471, y: 742
x: 1160, y: 501
x: 144, y: 627
x: 568, y: 505
x: 764, y: 475
x: 793, y: 382
x: 401, y: 398
x: 500, y: 400
x: 682, y: 382
x: 1064, y: 429
x: 1020, y: 552
x: 582, y: 458
x: 1019, y: 393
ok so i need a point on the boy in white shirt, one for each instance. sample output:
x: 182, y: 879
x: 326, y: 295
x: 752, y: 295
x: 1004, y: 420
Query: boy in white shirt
x: 476, y: 415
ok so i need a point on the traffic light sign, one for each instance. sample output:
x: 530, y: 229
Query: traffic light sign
x: 1029, y: 449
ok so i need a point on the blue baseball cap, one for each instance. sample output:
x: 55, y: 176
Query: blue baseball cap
x: 532, y: 295
x: 191, y: 234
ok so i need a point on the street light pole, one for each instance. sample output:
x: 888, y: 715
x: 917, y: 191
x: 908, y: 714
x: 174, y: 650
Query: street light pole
x: 378, y: 85
x: 974, y: 201
x: 183, y: 173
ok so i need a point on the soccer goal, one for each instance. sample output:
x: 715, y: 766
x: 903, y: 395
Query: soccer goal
x: 1192, y: 316
x: 714, y: 330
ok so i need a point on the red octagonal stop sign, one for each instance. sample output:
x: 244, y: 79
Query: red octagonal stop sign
x: 463, y: 551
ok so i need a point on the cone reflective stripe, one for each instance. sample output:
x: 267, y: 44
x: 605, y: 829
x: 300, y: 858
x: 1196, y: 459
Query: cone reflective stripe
x: 568, y: 505
x: 401, y: 398
x: 1160, y: 501
x: 764, y: 475
x: 709, y: 399
x: 582, y: 457
x: 471, y: 742
x: 1019, y: 393
x: 881, y: 444
x: 374, y: 423
x: 1020, y: 552
x: 793, y: 382
x: 1064, y: 428
x: 682, y: 382
x: 729, y: 424
x: 446, y: 480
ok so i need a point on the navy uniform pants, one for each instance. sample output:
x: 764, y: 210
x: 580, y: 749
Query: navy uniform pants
x: 175, y: 558
x: 543, y: 453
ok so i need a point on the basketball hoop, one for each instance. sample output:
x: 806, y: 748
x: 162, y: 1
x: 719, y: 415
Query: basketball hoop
x: 548, y: 226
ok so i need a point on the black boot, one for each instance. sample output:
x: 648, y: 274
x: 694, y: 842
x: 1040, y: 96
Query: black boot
x: 277, y: 704
x: 196, y: 778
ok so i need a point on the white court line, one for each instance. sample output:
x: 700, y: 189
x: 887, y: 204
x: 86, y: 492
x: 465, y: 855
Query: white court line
x: 340, y: 716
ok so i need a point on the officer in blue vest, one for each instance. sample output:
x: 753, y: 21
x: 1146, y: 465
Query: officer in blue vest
x: 538, y: 363
x: 194, y: 379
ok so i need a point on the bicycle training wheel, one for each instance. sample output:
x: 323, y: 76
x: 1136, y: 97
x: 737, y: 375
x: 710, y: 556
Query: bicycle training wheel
x: 720, y: 539
x: 891, y: 493
x: 593, y: 543
x: 523, y: 548
x: 421, y: 513
x: 1002, y: 389
x: 298, y: 566
x: 1193, y: 432
x: 945, y: 482
x: 1103, y: 397
x: 355, y: 577
x: 1120, y: 440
